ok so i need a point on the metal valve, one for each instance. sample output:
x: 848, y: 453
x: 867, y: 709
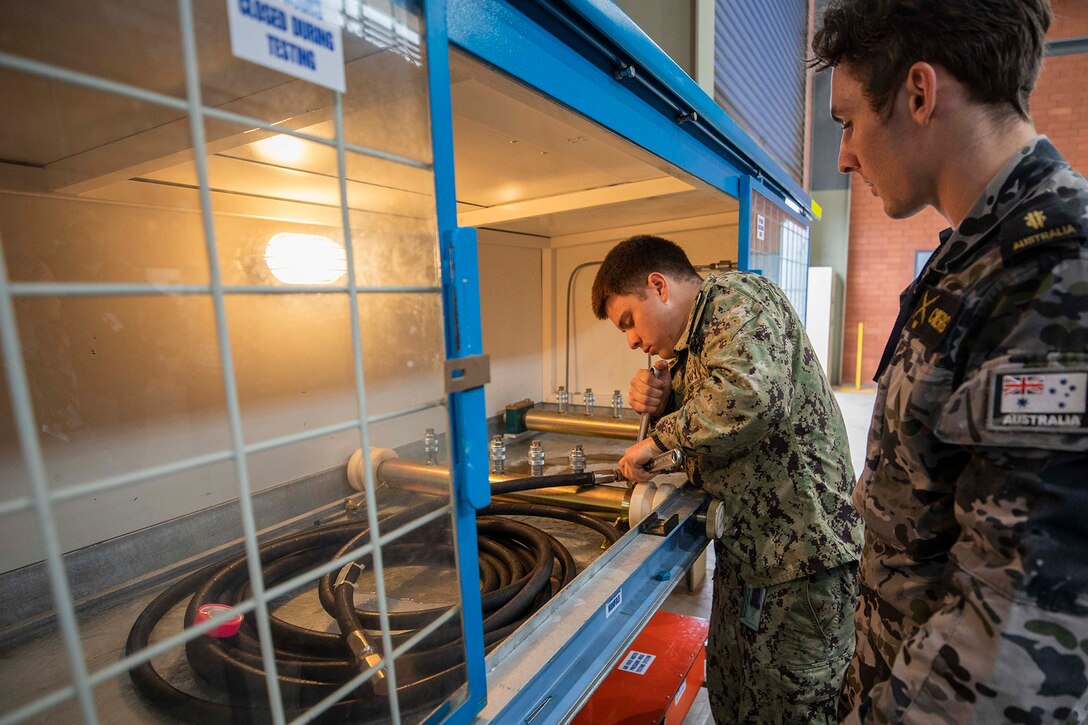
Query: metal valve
x: 617, y: 404
x: 498, y: 455
x: 562, y: 398
x: 430, y: 447
x: 536, y: 458
x: 577, y: 459
x: 590, y: 400
x: 644, y: 421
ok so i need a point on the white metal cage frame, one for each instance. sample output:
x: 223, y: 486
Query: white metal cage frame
x: 42, y: 499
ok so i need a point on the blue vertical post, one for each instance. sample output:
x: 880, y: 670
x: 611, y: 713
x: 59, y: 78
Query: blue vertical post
x: 461, y: 308
x: 744, y: 222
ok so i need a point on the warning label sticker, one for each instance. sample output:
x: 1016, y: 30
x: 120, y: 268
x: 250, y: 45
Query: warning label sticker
x: 637, y: 662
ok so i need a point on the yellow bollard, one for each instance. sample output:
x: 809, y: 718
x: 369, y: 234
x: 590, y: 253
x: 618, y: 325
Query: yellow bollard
x: 857, y: 365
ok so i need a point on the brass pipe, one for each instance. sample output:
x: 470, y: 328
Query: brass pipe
x: 435, y: 480
x: 414, y: 476
x: 550, y: 421
x: 610, y: 499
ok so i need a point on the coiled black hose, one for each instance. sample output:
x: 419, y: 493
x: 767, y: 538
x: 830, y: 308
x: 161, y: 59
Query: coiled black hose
x: 520, y: 569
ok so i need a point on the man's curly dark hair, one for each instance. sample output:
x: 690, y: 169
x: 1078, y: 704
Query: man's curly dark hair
x: 629, y: 263
x: 993, y: 47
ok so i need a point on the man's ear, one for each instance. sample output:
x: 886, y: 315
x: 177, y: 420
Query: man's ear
x: 659, y: 284
x: 921, y: 86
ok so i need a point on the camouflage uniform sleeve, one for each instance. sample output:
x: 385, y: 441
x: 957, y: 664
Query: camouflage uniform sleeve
x: 1028, y: 352
x: 1021, y: 415
x: 744, y: 387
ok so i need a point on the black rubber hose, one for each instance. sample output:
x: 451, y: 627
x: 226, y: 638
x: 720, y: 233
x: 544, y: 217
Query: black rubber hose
x: 521, y: 567
x: 529, y: 483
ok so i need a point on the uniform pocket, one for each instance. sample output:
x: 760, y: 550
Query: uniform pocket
x: 808, y: 623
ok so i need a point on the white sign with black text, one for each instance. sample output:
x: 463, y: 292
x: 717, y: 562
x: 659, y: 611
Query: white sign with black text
x: 297, y: 37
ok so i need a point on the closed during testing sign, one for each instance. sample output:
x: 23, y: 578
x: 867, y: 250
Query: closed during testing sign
x: 297, y: 37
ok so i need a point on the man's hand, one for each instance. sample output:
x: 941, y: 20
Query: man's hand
x: 637, y: 456
x: 648, y: 394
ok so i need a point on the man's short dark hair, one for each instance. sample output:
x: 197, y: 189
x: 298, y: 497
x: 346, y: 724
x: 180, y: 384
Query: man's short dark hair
x: 629, y: 263
x: 993, y: 47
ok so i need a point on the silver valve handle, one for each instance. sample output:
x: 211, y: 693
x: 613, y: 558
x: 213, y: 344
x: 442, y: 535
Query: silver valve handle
x: 644, y: 421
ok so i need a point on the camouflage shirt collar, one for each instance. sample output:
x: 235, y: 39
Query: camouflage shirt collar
x: 1019, y: 178
x: 696, y: 312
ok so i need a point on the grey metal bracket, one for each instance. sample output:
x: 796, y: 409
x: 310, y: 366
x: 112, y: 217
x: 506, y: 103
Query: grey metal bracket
x: 657, y: 526
x: 464, y: 373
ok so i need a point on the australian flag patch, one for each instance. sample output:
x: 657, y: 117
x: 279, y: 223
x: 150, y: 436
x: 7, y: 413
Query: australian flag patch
x: 1040, y: 401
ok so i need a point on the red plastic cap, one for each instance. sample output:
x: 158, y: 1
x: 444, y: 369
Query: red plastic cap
x: 228, y: 628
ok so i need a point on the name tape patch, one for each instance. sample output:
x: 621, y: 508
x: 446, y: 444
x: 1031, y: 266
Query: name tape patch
x: 637, y: 662
x: 1038, y: 401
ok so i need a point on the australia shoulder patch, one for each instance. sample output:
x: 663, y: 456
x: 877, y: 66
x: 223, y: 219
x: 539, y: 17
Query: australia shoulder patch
x: 1044, y: 221
x: 932, y: 316
x: 1039, y: 401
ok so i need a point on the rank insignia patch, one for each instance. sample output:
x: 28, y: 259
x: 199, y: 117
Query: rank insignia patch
x: 1040, y: 401
x: 1045, y: 223
x: 933, y: 315
x: 1035, y: 219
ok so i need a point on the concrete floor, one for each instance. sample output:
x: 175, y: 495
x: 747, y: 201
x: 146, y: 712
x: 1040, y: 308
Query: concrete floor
x: 857, y: 410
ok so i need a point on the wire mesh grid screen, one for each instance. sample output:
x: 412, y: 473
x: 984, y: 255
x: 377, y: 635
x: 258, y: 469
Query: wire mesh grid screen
x: 217, y: 282
x: 780, y: 250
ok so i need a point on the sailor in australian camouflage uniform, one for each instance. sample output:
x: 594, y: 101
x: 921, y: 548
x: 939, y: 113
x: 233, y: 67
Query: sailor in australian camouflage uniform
x: 975, y: 571
x: 974, y: 574
x: 747, y: 402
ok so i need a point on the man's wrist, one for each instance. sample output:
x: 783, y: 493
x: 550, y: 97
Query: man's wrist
x: 656, y: 443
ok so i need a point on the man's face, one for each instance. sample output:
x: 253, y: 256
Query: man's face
x: 879, y: 150
x: 646, y: 320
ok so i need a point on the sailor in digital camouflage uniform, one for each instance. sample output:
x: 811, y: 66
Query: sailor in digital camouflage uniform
x: 746, y: 401
x: 974, y: 575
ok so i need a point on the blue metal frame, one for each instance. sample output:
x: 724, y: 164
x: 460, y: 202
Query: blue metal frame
x: 503, y: 36
x: 719, y: 131
x: 464, y: 338
x: 744, y: 223
x: 589, y: 56
x: 560, y: 684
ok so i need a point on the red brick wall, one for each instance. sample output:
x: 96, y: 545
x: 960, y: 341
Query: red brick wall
x: 881, y: 253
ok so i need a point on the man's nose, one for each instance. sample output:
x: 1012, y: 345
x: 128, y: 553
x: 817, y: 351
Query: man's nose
x: 633, y: 340
x: 848, y: 162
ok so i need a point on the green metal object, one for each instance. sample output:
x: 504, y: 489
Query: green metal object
x: 515, y: 416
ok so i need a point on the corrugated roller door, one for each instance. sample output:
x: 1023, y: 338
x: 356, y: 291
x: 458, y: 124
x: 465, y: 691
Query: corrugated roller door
x: 759, y: 75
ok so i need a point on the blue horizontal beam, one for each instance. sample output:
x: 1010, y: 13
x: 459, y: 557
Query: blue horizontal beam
x: 1067, y: 46
x: 578, y: 75
x: 713, y: 125
x: 559, y: 687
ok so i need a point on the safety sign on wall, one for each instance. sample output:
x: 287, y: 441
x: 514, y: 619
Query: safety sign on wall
x: 297, y: 37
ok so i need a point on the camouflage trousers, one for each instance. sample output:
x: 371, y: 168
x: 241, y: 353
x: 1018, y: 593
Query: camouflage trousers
x: 783, y: 661
x: 980, y: 658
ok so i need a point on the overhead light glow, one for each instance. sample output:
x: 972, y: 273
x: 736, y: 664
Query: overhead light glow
x: 305, y: 259
x: 283, y: 148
